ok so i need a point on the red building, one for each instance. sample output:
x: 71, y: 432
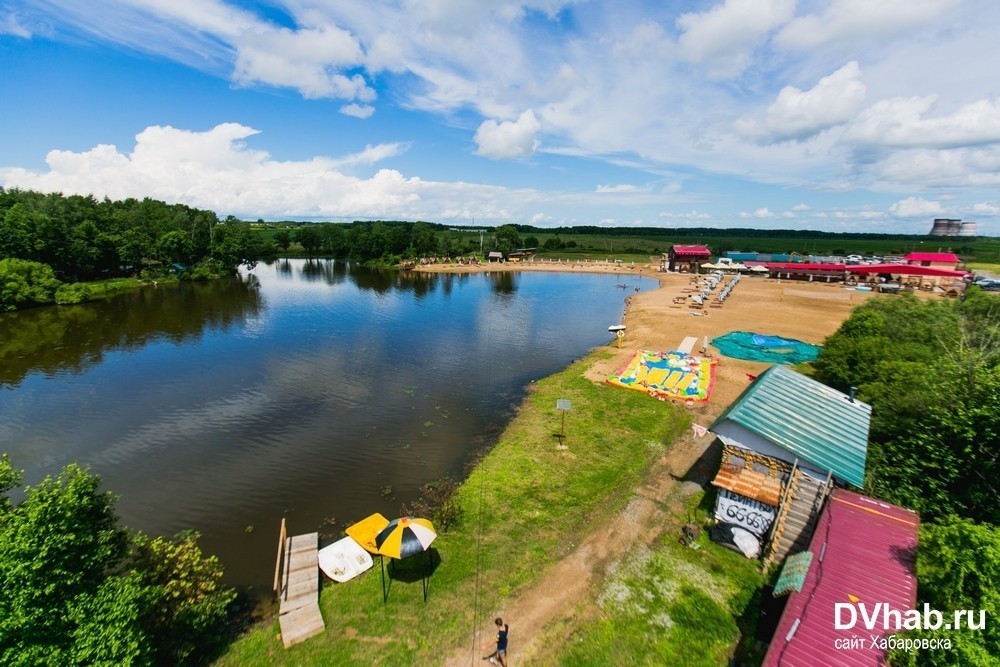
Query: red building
x: 935, y: 260
x: 686, y: 258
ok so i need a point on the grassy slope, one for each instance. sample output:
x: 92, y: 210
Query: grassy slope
x: 536, y: 502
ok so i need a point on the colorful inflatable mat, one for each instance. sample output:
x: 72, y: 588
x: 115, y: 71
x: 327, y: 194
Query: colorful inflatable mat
x: 668, y: 375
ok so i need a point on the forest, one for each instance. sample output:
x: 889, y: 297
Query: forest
x: 931, y: 372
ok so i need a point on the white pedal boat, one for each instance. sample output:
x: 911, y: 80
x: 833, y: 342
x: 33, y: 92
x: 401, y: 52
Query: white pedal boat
x: 344, y: 559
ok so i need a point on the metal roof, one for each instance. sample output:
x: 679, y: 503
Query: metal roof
x: 932, y: 257
x: 905, y: 270
x: 864, y: 552
x: 806, y: 418
x: 699, y: 250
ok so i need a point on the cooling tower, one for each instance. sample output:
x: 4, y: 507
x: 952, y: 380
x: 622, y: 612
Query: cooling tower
x: 946, y: 227
x: 967, y: 229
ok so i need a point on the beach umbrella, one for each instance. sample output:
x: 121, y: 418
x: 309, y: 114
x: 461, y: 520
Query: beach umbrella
x: 405, y: 537
x: 402, y: 538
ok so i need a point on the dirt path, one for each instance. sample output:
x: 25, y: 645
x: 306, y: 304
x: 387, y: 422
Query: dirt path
x: 806, y: 311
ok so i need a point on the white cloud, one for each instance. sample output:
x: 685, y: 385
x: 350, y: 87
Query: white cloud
x: 690, y: 215
x: 800, y: 207
x: 846, y: 21
x: 798, y: 114
x: 617, y: 188
x: 11, y: 25
x: 762, y: 213
x: 915, y: 207
x: 508, y: 139
x: 986, y: 208
x: 358, y: 110
x: 724, y: 37
x: 216, y: 170
x: 901, y: 122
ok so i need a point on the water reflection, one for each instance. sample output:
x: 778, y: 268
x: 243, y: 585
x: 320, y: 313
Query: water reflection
x: 310, y: 390
x: 72, y: 338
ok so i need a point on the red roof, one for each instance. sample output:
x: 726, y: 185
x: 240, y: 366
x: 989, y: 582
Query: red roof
x: 802, y: 267
x: 863, y: 548
x: 697, y: 250
x: 905, y: 270
x: 932, y: 257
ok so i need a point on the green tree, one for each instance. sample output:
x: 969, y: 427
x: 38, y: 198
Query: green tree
x: 958, y: 567
x: 25, y: 283
x: 236, y: 244
x: 78, y: 588
x: 283, y: 239
x: 930, y: 372
x: 506, y: 239
x: 310, y: 238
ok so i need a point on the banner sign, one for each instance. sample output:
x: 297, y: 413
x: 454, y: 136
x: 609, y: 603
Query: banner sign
x: 745, y: 512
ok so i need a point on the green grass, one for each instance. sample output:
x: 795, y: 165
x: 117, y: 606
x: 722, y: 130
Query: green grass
x: 535, y: 503
x: 669, y: 605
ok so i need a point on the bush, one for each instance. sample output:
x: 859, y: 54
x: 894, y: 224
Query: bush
x: 24, y: 283
x: 73, y: 293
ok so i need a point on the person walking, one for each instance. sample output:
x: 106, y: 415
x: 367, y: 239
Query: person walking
x: 499, y: 657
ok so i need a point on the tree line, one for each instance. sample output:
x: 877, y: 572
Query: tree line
x: 931, y: 372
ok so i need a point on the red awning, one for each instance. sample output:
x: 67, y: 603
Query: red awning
x: 905, y: 270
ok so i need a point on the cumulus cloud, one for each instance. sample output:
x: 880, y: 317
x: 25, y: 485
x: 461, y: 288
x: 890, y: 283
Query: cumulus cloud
x: 358, y: 110
x: 856, y: 20
x: 800, y: 207
x: 216, y: 170
x: 797, y: 114
x: 901, y: 122
x: 723, y: 38
x: 760, y: 214
x: 915, y: 207
x: 508, y: 139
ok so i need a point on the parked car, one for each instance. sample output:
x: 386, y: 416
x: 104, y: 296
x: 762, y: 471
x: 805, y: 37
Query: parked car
x: 988, y: 284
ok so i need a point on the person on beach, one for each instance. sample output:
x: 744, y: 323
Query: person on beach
x: 501, y: 643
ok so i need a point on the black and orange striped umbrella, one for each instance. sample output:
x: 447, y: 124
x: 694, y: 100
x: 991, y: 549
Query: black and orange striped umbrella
x: 405, y: 537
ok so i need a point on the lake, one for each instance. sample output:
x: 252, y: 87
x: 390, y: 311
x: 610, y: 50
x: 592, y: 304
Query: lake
x: 315, y: 390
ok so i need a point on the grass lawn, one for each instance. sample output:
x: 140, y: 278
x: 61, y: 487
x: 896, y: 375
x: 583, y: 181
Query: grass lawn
x: 670, y: 604
x: 524, y: 507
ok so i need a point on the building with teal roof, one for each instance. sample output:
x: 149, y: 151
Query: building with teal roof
x: 788, y: 416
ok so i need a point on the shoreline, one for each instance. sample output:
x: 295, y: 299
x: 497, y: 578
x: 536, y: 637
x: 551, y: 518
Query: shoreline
x: 553, y: 601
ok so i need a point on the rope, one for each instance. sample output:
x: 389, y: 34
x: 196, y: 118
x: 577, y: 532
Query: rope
x: 477, y: 620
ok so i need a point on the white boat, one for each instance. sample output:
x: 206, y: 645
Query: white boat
x: 344, y: 559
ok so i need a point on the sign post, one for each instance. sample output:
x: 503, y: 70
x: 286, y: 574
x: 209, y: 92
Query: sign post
x: 563, y: 406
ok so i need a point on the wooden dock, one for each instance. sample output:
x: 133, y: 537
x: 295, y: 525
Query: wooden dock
x: 297, y: 584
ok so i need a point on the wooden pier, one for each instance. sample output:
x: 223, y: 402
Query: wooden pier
x: 296, y: 580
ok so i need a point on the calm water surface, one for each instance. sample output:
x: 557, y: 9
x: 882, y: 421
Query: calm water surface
x: 313, y: 390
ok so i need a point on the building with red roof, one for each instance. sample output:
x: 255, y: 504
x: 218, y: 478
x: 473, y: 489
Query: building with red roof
x: 686, y: 257
x: 937, y: 260
x: 863, y: 555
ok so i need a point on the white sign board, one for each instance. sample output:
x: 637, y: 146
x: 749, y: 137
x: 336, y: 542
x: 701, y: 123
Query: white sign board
x: 745, y: 512
x: 563, y: 404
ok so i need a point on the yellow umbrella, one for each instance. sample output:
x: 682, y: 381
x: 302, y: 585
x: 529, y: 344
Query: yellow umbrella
x: 402, y: 538
x: 405, y: 537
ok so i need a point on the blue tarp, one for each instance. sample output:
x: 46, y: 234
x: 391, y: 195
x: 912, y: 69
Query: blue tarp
x: 761, y: 347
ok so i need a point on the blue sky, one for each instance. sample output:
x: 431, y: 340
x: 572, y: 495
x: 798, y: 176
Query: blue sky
x: 840, y: 115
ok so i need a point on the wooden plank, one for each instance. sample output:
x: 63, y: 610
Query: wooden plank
x: 301, y: 624
x: 299, y: 615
